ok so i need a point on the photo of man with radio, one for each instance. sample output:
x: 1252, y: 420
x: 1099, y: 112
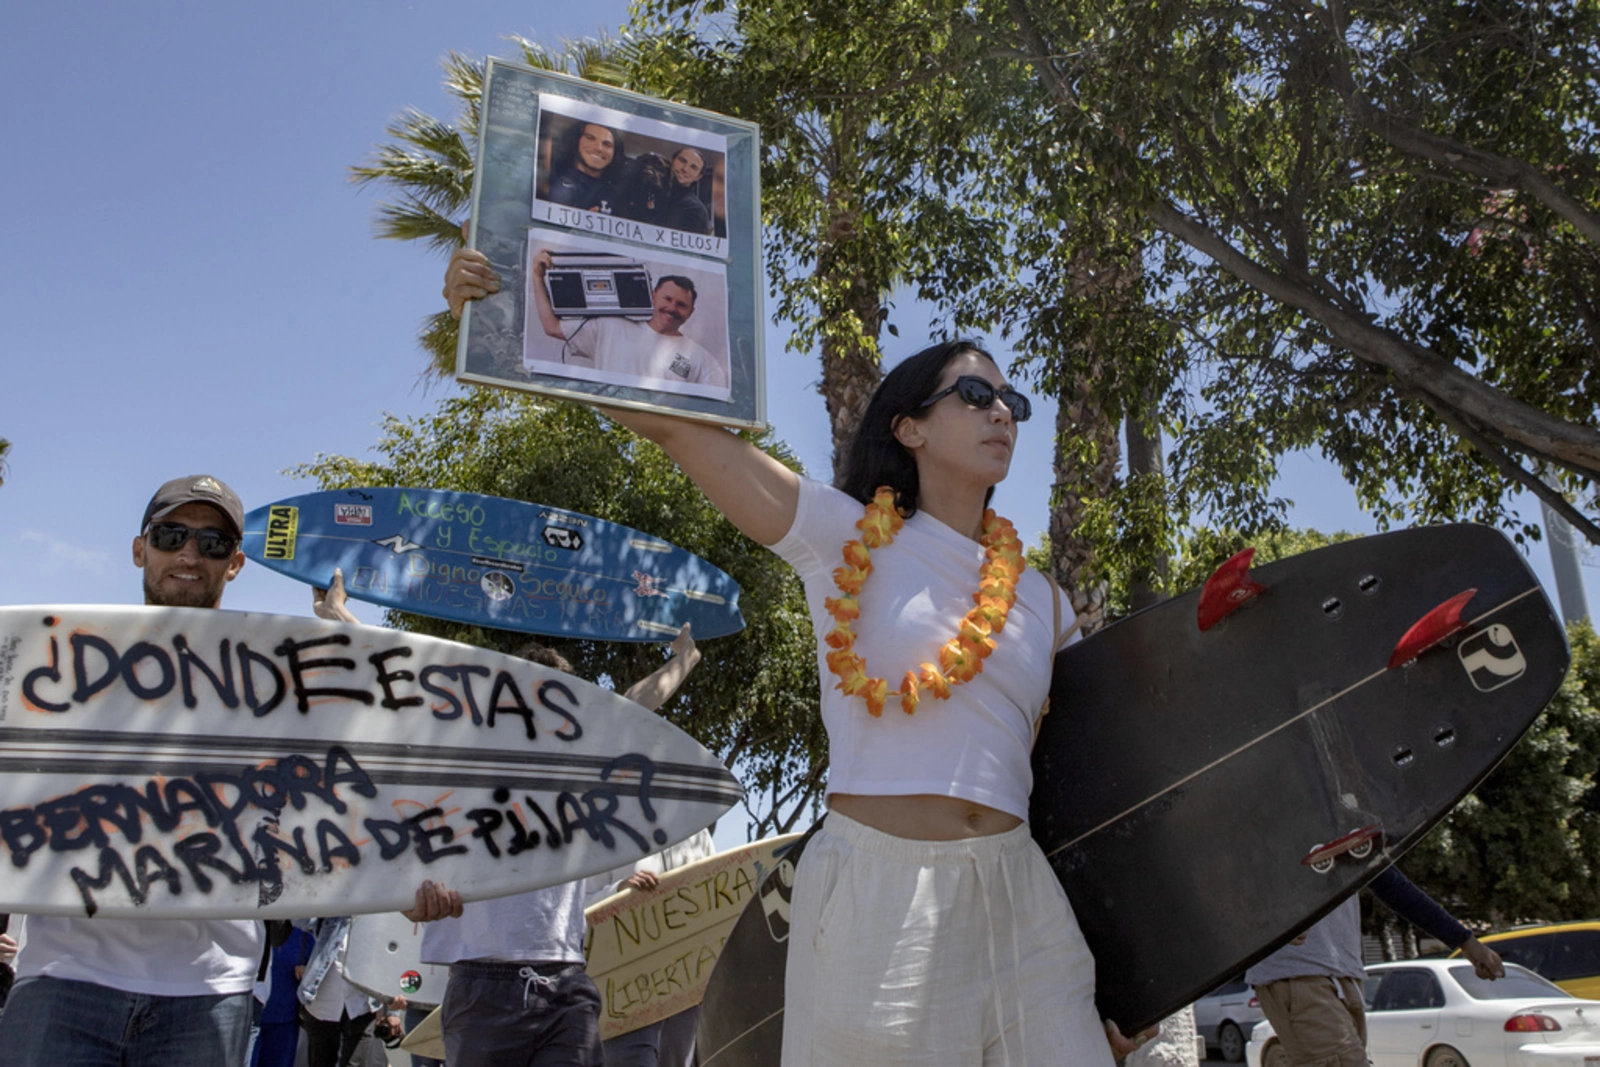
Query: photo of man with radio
x: 601, y: 316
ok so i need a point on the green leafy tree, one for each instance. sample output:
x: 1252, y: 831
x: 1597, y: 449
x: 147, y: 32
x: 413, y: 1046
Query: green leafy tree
x: 1375, y: 225
x: 753, y: 699
x: 852, y: 200
x: 869, y: 179
x: 884, y: 167
x: 1365, y: 229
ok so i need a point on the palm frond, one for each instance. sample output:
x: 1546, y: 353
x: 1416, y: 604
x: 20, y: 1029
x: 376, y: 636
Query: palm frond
x: 413, y: 220
x: 438, y: 338
x: 594, y: 59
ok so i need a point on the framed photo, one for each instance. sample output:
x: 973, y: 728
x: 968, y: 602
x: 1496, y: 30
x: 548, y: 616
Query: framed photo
x: 626, y: 233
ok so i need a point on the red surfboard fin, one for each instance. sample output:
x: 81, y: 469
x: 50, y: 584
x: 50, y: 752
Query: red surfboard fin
x: 1229, y: 588
x: 1432, y: 628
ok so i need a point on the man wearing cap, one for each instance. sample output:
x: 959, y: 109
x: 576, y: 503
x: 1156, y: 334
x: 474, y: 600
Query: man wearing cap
x: 142, y: 992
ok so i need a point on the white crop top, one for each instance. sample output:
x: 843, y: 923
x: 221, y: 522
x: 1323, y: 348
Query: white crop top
x: 976, y: 744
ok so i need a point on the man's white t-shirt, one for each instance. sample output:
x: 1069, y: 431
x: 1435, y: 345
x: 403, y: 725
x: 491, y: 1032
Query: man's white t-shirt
x: 540, y: 926
x: 692, y: 849
x: 157, y: 957
x: 624, y: 352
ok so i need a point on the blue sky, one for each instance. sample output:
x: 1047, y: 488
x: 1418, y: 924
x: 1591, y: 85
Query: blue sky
x: 189, y: 280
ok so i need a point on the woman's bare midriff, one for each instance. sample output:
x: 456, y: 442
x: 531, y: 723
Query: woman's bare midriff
x: 923, y: 816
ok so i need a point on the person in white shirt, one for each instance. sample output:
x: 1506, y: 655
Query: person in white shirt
x: 334, y: 1013
x: 926, y: 925
x: 518, y: 994
x: 143, y: 992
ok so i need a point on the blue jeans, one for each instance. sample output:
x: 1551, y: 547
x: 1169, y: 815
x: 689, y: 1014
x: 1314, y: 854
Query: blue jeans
x: 50, y: 1022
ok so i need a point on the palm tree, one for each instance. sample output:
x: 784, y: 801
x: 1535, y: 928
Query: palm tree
x: 5, y: 449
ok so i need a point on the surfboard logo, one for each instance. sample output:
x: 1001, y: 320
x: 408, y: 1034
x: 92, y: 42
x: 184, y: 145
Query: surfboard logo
x: 647, y: 584
x: 283, y: 522
x: 775, y: 893
x: 410, y: 982
x: 497, y: 585
x: 398, y: 545
x: 1491, y: 658
x: 556, y: 537
x: 352, y: 514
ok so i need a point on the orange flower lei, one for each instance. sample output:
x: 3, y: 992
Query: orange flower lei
x: 961, y: 658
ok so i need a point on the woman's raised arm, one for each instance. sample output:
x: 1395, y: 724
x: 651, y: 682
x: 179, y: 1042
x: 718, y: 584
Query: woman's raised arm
x: 756, y: 492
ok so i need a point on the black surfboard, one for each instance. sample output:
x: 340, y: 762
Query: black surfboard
x: 1205, y: 794
x: 741, y: 1015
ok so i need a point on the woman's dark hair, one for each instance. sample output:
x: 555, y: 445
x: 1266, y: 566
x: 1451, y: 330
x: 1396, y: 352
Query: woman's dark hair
x: 564, y: 152
x: 873, y: 457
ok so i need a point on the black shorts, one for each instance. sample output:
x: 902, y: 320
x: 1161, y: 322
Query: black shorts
x: 521, y: 1015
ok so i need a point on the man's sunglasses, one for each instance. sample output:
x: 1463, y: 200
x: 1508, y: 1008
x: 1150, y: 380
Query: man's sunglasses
x: 980, y: 393
x: 170, y: 536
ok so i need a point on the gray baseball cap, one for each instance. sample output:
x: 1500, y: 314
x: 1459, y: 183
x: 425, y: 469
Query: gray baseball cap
x: 196, y: 489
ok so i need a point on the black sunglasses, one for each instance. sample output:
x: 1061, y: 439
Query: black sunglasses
x: 980, y: 393
x: 170, y: 536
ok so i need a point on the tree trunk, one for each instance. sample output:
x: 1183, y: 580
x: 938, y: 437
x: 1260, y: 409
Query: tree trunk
x: 850, y: 370
x: 1088, y: 451
x: 1086, y: 459
x: 850, y: 373
x: 1145, y: 587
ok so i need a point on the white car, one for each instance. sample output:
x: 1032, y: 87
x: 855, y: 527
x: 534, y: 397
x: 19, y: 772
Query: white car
x: 1437, y: 1013
x: 1224, y: 1016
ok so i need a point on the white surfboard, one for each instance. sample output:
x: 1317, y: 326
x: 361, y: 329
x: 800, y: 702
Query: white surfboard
x: 384, y: 958
x: 190, y: 763
x: 650, y: 951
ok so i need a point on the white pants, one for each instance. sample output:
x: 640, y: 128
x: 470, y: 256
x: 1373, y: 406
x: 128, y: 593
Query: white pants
x: 933, y: 953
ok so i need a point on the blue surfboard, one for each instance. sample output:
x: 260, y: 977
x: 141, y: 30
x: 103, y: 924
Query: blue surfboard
x: 495, y: 562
